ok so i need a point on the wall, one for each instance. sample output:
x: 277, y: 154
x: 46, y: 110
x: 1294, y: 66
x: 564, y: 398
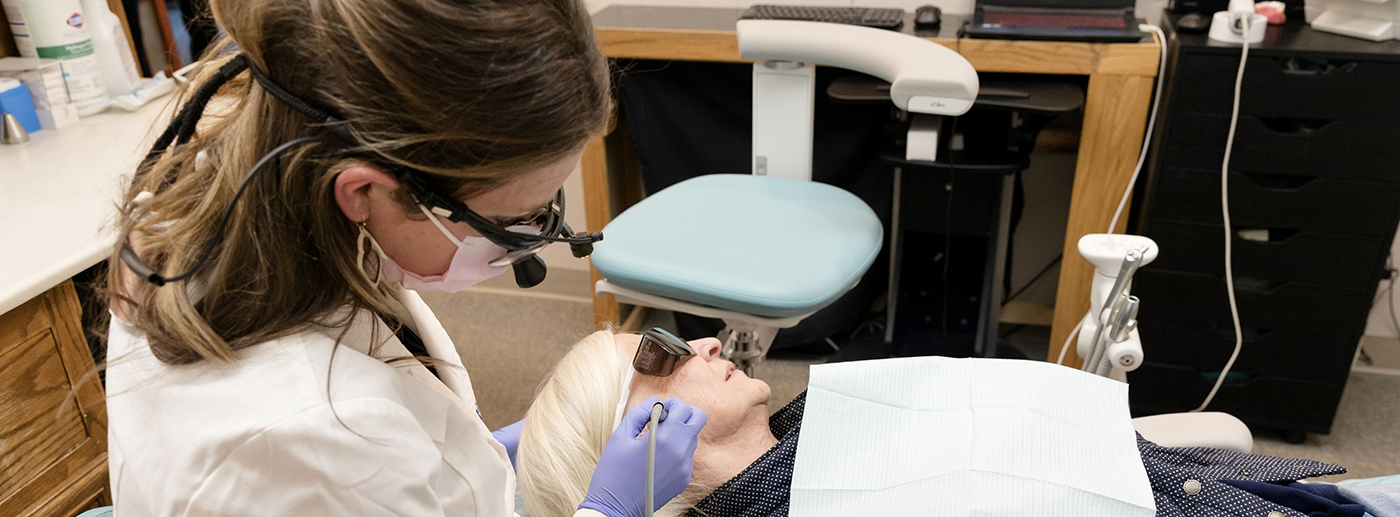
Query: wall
x: 1379, y: 324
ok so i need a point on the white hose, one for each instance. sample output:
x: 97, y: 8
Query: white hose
x: 657, y: 410
x: 1225, y: 213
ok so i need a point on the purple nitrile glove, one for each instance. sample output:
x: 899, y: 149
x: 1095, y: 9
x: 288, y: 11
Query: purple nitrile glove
x: 509, y: 436
x: 618, y: 487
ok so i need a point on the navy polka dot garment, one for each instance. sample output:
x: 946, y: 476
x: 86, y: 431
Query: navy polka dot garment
x: 763, y: 489
x: 1185, y: 481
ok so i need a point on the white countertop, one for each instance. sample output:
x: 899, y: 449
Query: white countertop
x: 58, y: 195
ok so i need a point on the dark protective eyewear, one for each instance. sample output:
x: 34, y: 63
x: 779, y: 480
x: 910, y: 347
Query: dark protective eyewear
x: 660, y: 353
x: 521, y: 248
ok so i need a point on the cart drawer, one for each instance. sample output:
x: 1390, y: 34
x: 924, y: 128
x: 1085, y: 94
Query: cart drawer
x: 1289, y: 255
x: 1175, y: 296
x: 1288, y: 354
x: 1288, y: 86
x: 1281, y: 201
x: 1286, y: 145
x: 1262, y: 402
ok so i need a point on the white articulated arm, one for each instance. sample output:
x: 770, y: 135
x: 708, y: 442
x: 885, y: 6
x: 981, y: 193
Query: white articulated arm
x: 925, y: 77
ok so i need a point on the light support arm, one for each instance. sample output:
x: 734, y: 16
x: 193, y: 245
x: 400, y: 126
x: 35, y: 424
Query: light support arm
x: 924, y: 77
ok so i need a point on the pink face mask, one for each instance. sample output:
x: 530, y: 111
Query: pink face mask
x: 471, y: 264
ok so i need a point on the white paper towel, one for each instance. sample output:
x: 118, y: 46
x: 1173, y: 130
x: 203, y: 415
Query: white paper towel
x: 934, y: 436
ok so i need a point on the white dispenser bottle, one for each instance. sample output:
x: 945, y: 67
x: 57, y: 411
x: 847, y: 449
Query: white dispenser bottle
x: 119, y: 72
x: 58, y: 29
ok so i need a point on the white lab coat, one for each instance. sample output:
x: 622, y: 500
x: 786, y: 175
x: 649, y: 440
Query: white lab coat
x: 258, y: 438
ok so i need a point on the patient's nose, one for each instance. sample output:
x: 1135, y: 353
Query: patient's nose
x: 707, y: 348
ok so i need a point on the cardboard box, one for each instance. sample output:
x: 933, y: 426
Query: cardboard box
x: 47, y: 89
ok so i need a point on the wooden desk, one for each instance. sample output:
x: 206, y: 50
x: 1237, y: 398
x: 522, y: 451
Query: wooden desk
x: 1115, y: 115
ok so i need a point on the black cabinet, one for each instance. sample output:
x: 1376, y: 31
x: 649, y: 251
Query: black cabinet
x: 1314, y: 203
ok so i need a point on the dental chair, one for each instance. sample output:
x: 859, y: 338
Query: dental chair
x: 1110, y: 345
x: 763, y: 251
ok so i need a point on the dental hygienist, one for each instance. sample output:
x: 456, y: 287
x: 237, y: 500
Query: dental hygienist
x: 266, y: 348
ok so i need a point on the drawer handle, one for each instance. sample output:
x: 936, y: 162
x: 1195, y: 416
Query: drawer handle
x: 1250, y: 334
x: 1277, y: 182
x: 1294, y: 126
x: 1266, y: 235
x: 1231, y: 379
x: 1255, y: 285
x: 1301, y: 66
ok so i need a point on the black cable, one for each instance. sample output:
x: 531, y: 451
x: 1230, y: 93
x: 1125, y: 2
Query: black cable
x: 139, y: 267
x: 182, y: 127
x: 1034, y: 279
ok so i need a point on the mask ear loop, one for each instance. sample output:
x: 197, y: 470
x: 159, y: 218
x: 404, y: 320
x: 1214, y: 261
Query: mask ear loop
x: 432, y: 217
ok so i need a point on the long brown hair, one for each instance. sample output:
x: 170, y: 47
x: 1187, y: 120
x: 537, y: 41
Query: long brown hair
x: 475, y: 93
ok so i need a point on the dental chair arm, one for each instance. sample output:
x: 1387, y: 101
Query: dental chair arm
x: 924, y: 77
x: 1208, y: 429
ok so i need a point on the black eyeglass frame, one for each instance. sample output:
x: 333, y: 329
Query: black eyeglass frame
x: 552, y: 227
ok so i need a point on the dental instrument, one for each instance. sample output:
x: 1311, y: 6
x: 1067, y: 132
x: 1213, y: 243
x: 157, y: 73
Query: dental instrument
x: 1109, y: 341
x: 658, y: 355
x: 658, y: 414
x: 1118, y: 346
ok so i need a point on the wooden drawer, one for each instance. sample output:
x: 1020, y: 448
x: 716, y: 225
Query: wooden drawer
x: 54, y: 457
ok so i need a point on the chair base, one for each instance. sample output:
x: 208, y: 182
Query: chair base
x: 746, y: 337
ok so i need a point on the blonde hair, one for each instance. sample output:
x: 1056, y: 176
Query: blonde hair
x: 567, y: 427
x: 475, y: 94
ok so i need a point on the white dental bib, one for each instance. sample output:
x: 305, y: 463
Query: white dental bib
x: 934, y: 436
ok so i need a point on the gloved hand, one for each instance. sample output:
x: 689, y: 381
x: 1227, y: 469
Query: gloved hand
x: 618, y: 487
x: 509, y: 436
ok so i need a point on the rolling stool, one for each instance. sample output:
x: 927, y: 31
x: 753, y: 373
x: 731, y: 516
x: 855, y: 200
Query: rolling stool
x: 763, y: 251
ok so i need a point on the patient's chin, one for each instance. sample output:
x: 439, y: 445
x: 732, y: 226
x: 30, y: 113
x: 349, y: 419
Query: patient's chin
x: 762, y: 391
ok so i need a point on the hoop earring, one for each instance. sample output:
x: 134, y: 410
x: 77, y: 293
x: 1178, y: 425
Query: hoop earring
x: 360, y: 255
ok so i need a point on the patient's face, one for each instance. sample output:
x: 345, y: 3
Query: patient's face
x: 730, y: 398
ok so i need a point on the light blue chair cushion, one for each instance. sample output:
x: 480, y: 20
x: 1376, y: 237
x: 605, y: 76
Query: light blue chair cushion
x: 105, y: 511
x: 751, y: 244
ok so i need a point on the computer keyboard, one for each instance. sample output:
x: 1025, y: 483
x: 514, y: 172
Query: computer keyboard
x: 864, y: 16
